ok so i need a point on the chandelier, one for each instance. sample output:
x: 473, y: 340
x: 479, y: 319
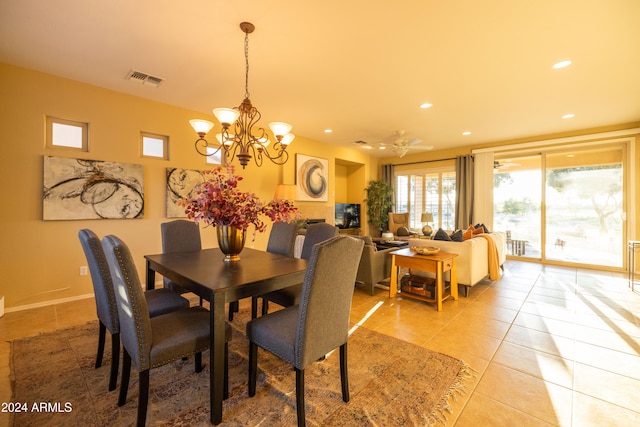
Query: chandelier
x: 239, y: 138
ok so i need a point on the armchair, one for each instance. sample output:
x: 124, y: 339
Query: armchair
x: 375, y: 265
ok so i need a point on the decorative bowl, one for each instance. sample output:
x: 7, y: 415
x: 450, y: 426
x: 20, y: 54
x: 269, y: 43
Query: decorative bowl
x: 387, y: 237
x: 425, y: 250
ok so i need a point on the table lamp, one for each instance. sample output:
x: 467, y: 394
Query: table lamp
x: 285, y: 192
x: 427, y: 218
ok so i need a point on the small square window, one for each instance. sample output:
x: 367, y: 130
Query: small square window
x: 156, y: 146
x: 214, y: 159
x: 67, y: 133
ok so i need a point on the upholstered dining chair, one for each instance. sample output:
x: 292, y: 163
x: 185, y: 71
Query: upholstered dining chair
x: 152, y: 342
x: 282, y: 238
x: 179, y: 236
x: 304, y: 333
x: 281, y: 241
x: 159, y: 301
x: 287, y: 297
x: 184, y: 236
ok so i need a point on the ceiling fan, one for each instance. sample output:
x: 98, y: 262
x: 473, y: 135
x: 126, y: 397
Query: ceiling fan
x: 504, y: 165
x: 401, y: 144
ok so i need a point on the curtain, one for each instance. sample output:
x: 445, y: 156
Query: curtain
x: 387, y: 176
x: 483, y: 189
x: 464, y: 191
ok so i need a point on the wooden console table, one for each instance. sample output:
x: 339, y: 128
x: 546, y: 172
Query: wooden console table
x: 439, y: 264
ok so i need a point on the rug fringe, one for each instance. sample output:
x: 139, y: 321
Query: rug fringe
x: 440, y: 413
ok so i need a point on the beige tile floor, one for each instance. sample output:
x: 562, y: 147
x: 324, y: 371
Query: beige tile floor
x: 551, y: 345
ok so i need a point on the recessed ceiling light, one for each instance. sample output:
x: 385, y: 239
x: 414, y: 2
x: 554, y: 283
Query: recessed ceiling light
x: 466, y: 133
x: 425, y: 105
x: 571, y: 155
x: 382, y: 147
x: 562, y: 64
x: 568, y: 116
x: 328, y: 130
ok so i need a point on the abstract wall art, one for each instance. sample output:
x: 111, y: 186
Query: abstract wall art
x: 312, y: 178
x: 91, y: 189
x: 180, y: 183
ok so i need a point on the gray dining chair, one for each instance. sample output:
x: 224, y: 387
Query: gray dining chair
x: 184, y: 236
x: 179, y: 236
x: 282, y: 239
x: 152, y: 342
x: 305, y: 333
x: 159, y: 301
x: 289, y: 296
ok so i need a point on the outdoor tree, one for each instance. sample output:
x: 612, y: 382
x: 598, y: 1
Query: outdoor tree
x: 600, y: 185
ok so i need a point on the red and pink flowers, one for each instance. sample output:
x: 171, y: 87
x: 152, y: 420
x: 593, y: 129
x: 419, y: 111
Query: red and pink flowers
x: 218, y: 201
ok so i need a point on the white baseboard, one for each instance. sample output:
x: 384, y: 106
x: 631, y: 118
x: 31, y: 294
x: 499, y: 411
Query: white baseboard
x: 47, y: 303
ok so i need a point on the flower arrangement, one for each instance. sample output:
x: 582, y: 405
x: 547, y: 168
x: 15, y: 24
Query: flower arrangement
x: 218, y: 201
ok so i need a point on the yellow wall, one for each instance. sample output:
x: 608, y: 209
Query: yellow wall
x: 40, y: 260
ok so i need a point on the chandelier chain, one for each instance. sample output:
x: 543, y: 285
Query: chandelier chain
x: 241, y: 136
x: 246, y: 60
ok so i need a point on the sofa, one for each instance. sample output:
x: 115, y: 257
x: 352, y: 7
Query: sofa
x: 472, y: 263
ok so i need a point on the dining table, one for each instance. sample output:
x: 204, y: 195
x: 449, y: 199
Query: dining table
x: 208, y: 275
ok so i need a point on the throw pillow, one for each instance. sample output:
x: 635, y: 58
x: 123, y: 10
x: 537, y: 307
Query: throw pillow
x: 456, y: 236
x: 468, y: 233
x: 402, y: 231
x: 441, y: 235
x: 486, y: 230
x: 478, y: 230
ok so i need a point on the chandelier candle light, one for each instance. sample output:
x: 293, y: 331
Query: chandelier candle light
x: 238, y: 137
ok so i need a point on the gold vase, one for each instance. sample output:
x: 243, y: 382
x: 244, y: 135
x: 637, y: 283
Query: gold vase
x: 230, y: 241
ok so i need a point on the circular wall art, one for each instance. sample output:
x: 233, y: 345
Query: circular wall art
x: 312, y: 178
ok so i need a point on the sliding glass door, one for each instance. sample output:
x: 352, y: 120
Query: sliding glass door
x: 563, y: 205
x: 518, y: 203
x: 584, y: 207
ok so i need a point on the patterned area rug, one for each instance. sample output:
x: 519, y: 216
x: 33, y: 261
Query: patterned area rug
x: 392, y: 383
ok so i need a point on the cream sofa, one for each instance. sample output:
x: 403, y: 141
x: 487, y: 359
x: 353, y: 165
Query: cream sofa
x: 472, y: 263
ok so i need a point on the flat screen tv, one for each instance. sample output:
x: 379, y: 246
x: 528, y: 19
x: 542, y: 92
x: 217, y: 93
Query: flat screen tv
x: 347, y: 215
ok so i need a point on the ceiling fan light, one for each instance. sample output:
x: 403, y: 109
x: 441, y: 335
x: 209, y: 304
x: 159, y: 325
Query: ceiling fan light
x: 226, y: 116
x: 280, y: 128
x: 201, y: 126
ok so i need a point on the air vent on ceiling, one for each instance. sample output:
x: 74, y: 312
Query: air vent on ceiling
x: 144, y: 78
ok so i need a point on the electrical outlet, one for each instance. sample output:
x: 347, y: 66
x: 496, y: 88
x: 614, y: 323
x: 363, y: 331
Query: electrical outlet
x: 84, y: 270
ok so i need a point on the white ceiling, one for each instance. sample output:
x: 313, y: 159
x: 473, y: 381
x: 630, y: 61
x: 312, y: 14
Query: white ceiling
x: 359, y: 67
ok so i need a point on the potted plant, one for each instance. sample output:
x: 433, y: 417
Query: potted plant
x: 379, y: 202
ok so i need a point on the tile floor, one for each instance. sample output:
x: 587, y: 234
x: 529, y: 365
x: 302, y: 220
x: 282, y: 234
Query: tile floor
x: 551, y: 345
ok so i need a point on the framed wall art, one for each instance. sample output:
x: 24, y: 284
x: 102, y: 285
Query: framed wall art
x: 91, y: 189
x: 312, y: 178
x: 180, y: 183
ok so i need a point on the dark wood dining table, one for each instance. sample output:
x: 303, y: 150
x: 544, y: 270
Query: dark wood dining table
x: 206, y: 274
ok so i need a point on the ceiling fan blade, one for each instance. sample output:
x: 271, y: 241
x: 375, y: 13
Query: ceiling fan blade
x: 420, y: 147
